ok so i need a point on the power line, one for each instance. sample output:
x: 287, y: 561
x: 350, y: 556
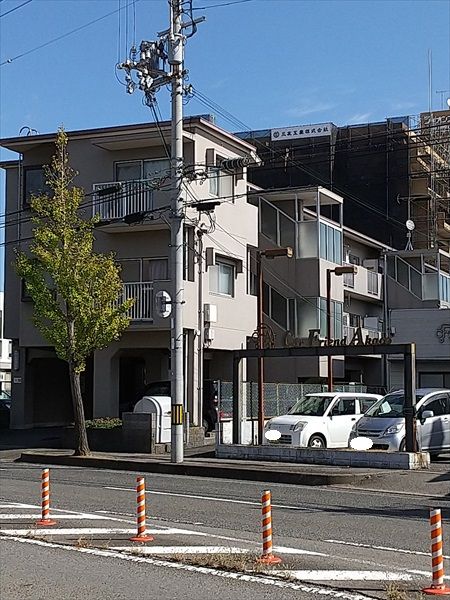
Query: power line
x: 15, y: 8
x: 223, y: 4
x: 64, y: 35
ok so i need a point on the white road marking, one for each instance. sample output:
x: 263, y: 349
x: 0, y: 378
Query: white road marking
x: 345, y: 575
x: 270, y: 581
x: 58, y: 516
x: 425, y: 573
x: 97, y: 531
x: 213, y: 499
x: 181, y: 549
x: 93, y: 516
x: 387, y: 548
x: 286, y: 550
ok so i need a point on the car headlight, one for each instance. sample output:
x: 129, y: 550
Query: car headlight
x: 393, y: 429
x: 268, y: 425
x: 298, y: 426
x: 354, y: 427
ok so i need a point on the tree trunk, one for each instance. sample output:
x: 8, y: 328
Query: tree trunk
x: 82, y: 445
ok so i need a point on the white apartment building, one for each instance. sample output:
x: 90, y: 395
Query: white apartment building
x: 125, y: 174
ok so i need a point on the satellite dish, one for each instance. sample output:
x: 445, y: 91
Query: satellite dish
x: 163, y: 303
x: 410, y: 225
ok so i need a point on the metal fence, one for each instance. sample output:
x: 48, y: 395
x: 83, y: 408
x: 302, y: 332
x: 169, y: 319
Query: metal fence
x: 278, y: 397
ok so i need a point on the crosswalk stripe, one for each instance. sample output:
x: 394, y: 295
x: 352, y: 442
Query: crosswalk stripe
x: 182, y: 549
x: 58, y: 516
x: 97, y: 531
x: 324, y: 575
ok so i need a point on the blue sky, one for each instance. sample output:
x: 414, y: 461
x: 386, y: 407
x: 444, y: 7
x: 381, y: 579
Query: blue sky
x: 268, y: 62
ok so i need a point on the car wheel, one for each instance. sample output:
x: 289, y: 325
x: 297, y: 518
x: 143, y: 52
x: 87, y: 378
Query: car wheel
x: 317, y: 441
x: 206, y: 426
x: 402, y: 447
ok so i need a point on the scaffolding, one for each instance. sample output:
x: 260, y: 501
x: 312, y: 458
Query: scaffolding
x: 429, y: 178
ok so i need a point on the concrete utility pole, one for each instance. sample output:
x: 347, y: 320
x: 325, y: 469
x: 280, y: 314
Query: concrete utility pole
x: 176, y: 46
x: 152, y: 75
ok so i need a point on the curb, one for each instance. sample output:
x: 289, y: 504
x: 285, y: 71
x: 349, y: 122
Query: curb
x: 246, y: 473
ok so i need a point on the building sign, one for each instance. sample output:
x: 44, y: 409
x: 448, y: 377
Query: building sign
x: 302, y: 131
x: 443, y: 332
x: 357, y: 339
x: 436, y: 125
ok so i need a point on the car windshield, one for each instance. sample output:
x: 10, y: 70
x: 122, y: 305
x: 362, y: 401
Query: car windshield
x: 390, y: 406
x: 313, y: 406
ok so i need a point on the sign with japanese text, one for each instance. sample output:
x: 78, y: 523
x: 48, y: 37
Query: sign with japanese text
x: 302, y: 131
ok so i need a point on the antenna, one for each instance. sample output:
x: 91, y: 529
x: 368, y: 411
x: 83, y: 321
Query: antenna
x: 410, y: 226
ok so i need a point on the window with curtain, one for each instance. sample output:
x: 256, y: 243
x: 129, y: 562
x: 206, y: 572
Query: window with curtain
x: 155, y: 269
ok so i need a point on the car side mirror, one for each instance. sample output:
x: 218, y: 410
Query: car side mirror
x: 427, y: 414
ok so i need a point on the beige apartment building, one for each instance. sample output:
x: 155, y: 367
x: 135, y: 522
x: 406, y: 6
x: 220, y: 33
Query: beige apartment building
x: 125, y: 174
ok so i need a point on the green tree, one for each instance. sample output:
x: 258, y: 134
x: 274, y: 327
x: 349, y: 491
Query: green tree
x: 76, y: 291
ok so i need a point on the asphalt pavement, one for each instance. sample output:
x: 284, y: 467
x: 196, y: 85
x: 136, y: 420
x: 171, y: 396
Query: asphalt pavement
x: 332, y: 540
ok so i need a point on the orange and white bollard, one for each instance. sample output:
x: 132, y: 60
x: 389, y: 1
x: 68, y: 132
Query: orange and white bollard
x: 141, y: 536
x: 45, y: 520
x: 267, y: 556
x: 437, y: 560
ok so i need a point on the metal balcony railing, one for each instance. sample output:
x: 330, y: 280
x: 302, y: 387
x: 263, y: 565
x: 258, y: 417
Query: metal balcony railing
x: 117, y: 199
x: 142, y: 292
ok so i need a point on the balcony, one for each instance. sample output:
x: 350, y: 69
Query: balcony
x: 365, y: 282
x: 117, y: 199
x: 142, y: 292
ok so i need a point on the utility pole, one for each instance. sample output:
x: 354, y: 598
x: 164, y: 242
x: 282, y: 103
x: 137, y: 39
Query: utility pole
x: 152, y: 75
x: 176, y: 46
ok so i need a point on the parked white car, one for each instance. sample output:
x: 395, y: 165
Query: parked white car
x: 322, y: 420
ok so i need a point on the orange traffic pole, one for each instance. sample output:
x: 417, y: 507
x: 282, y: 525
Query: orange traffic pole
x: 437, y: 560
x: 141, y: 536
x: 267, y: 556
x: 45, y: 520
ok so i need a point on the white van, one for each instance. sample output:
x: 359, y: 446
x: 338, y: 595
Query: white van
x: 322, y: 420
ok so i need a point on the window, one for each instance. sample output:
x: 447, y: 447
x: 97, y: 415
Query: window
x: 436, y: 380
x: 344, y: 406
x: 365, y: 403
x: 1, y: 324
x: 128, y: 171
x: 34, y: 184
x: 330, y: 243
x: 278, y: 308
x: 336, y: 318
x: 221, y: 278
x: 372, y: 282
x: 354, y: 320
x: 353, y: 259
x: 155, y: 269
x: 439, y: 405
x: 214, y: 181
x: 131, y: 271
x: 156, y: 169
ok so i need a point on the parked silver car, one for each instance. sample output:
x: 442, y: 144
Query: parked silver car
x: 384, y: 424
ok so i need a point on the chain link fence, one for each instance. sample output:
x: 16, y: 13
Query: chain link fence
x: 278, y: 397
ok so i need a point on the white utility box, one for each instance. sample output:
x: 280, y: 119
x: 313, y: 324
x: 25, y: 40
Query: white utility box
x: 161, y: 407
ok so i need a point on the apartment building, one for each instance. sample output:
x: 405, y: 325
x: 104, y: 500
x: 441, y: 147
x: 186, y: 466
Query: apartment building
x: 418, y: 296
x: 310, y: 220
x: 125, y: 174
